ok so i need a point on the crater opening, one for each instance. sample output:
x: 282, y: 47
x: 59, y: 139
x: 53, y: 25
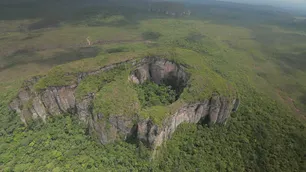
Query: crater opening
x: 159, y: 81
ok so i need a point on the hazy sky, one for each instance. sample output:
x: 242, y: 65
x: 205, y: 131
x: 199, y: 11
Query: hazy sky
x: 299, y: 4
x: 292, y: 2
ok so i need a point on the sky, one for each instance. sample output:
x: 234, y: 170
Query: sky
x: 291, y: 4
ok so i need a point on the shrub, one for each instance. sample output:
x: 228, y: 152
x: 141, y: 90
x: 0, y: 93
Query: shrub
x: 116, y: 50
x: 149, y: 35
x: 194, y: 37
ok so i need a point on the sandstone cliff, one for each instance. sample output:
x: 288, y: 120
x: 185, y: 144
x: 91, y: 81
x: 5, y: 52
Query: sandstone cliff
x: 32, y: 105
x: 215, y: 110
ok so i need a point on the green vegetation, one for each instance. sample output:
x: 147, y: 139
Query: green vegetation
x: 67, y: 74
x: 110, y: 98
x: 156, y: 113
x: 94, y: 83
x: 151, y: 35
x: 257, y: 137
x: 100, y: 20
x: 117, y: 98
x: 116, y: 50
x: 231, y: 49
x: 151, y: 94
x: 61, y: 145
x: 154, y: 100
x: 56, y: 78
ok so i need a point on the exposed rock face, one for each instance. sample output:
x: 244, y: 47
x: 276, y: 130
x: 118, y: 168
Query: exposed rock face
x: 32, y: 105
x: 113, y: 128
x: 160, y: 71
x: 215, y: 110
x: 52, y: 101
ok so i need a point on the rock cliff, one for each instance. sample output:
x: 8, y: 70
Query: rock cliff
x: 214, y: 110
x: 32, y: 105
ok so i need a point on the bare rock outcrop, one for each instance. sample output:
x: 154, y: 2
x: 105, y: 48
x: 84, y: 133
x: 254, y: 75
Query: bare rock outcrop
x: 32, y: 105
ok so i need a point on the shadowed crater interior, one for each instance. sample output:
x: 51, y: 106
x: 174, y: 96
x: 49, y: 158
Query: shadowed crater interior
x: 161, y: 72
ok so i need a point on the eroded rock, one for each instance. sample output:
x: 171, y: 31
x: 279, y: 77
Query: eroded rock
x: 215, y: 110
x: 161, y: 71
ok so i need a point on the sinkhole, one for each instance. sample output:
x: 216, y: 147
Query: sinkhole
x: 159, y: 81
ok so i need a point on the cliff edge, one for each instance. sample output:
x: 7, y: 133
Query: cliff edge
x: 130, y: 124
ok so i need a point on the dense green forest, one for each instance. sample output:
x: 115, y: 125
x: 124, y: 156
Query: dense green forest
x: 261, y: 136
x: 151, y: 94
x: 259, y: 50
